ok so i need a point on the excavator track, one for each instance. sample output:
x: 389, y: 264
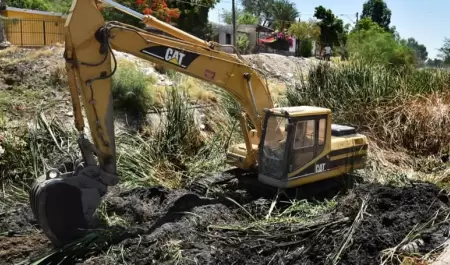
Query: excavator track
x: 209, y: 184
x: 248, y: 180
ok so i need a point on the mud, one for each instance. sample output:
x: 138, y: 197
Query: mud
x: 180, y: 227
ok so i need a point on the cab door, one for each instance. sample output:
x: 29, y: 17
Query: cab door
x: 308, y: 141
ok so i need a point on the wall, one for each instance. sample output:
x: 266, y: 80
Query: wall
x: 221, y: 31
x: 33, y: 28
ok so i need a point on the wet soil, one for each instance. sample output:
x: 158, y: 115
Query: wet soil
x: 180, y: 227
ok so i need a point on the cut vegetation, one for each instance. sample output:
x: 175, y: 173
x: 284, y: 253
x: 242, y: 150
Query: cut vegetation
x: 392, y: 216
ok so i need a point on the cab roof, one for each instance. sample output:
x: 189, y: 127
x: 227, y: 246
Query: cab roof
x: 300, y: 111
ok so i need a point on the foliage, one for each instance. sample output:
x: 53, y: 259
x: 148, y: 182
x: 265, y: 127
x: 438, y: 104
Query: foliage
x: 158, y: 9
x: 61, y: 6
x: 242, y: 43
x: 305, y: 30
x: 257, y: 7
x: 283, y: 13
x: 194, y: 16
x: 330, y: 26
x: 130, y: 88
x: 396, y: 107
x: 444, y: 51
x: 277, y: 14
x: 242, y: 17
x: 419, y: 49
x: 368, y: 24
x: 378, y: 12
x: 371, y: 44
x: 434, y: 62
x: 306, y: 48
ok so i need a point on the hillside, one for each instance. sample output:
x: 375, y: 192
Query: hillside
x: 153, y: 217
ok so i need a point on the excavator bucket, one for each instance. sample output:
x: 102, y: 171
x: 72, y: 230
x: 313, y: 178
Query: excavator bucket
x: 63, y: 205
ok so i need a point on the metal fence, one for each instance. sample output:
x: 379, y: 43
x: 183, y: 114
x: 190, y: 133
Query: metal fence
x: 32, y: 32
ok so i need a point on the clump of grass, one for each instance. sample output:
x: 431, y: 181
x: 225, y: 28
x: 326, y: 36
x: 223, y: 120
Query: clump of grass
x: 400, y: 109
x: 58, y: 77
x: 173, y: 153
x: 131, y: 89
x: 27, y: 154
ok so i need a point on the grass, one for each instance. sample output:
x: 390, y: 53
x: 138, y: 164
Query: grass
x: 131, y: 89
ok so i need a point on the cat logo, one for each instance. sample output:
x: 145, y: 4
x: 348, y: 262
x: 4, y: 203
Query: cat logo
x: 175, y: 57
x: 171, y: 55
x: 320, y: 168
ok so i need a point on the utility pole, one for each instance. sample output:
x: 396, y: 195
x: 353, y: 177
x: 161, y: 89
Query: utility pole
x: 233, y: 12
x: 357, y: 17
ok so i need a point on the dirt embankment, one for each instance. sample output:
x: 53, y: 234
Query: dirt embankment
x: 179, y: 227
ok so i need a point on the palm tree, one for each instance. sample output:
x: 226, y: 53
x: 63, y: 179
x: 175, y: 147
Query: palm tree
x: 283, y: 14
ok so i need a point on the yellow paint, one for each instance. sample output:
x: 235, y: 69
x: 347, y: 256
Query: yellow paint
x: 33, y: 28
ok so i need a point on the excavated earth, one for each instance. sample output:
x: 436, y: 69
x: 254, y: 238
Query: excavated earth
x: 180, y: 227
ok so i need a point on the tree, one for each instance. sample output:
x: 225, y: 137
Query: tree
x: 305, y: 30
x: 194, y: 16
x: 259, y: 8
x: 367, y: 24
x: 444, y: 51
x: 242, y: 17
x: 330, y: 26
x: 283, y: 13
x: 419, y: 49
x: 372, y: 44
x: 156, y: 8
x: 278, y: 14
x: 378, y: 11
x: 434, y: 62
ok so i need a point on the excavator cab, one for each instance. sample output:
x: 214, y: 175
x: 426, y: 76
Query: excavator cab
x: 296, y: 146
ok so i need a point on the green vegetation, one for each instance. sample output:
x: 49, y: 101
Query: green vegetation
x: 371, y: 44
x: 131, y: 89
x: 61, y: 6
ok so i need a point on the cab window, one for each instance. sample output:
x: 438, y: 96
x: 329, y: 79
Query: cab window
x: 304, y: 134
x: 309, y: 141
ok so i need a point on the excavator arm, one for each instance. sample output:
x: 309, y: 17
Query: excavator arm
x: 63, y: 204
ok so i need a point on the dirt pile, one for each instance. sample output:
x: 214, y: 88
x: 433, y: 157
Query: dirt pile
x: 280, y: 66
x: 179, y: 227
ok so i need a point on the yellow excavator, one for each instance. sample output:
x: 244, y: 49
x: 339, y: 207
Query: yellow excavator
x: 289, y: 147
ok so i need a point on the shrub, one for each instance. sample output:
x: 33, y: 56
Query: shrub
x: 172, y: 153
x: 306, y: 48
x: 242, y: 43
x: 371, y: 44
x: 131, y: 89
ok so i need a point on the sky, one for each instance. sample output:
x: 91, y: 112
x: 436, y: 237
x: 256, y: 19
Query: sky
x: 424, y: 20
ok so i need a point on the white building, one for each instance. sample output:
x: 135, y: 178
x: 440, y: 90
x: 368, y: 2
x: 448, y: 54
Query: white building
x: 223, y: 34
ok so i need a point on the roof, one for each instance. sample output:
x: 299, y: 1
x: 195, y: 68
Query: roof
x: 38, y: 12
x: 260, y: 28
x: 301, y: 110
